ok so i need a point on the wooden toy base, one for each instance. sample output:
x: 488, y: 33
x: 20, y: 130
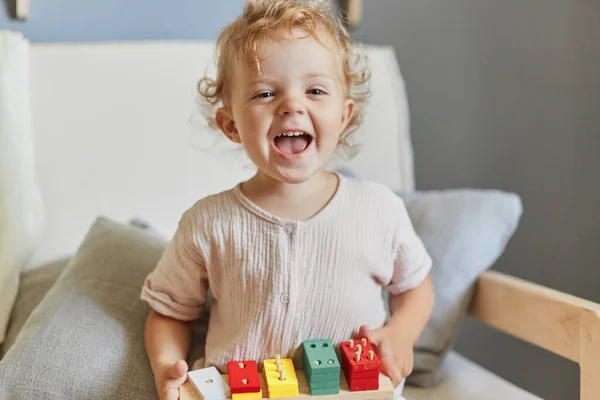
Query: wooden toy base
x: 386, y: 389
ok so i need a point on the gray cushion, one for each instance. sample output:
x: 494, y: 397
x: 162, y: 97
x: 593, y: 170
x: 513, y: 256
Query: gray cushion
x: 85, y: 339
x: 465, y: 231
x: 33, y: 286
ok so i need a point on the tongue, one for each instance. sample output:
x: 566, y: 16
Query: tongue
x: 292, y: 144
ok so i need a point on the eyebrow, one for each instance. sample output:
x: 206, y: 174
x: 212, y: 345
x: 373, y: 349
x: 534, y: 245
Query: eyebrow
x: 262, y: 80
x: 318, y: 75
x: 307, y: 75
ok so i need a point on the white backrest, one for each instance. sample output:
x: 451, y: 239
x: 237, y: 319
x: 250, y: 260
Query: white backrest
x: 116, y: 134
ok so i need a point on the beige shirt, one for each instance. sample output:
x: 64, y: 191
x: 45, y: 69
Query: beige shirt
x: 276, y: 283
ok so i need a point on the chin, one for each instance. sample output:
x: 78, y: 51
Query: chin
x: 296, y: 176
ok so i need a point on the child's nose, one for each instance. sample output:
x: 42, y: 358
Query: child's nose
x: 290, y: 107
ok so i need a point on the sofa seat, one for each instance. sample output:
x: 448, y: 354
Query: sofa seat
x: 468, y: 380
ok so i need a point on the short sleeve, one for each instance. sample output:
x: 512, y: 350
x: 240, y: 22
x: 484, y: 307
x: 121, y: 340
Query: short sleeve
x: 178, y: 285
x: 412, y: 262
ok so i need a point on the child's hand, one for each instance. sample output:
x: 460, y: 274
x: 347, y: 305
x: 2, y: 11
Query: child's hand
x: 169, y: 380
x: 395, y: 352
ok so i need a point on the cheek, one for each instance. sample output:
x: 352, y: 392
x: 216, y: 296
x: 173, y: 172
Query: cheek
x: 330, y: 114
x: 255, y: 117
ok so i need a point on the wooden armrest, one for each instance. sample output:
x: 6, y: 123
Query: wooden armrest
x: 558, y: 322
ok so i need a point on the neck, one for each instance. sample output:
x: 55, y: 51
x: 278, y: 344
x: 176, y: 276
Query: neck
x: 288, y: 200
x: 274, y: 187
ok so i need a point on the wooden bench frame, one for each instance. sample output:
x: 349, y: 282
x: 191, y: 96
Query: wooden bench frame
x: 558, y: 322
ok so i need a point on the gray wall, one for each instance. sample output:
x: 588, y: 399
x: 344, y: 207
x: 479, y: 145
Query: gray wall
x: 506, y: 94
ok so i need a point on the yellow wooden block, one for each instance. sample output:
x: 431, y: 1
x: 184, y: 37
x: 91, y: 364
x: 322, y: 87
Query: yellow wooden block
x: 283, y: 395
x: 275, y: 386
x: 287, y: 392
x: 246, y: 396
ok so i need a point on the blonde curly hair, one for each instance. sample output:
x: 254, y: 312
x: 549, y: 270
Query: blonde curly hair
x: 273, y: 19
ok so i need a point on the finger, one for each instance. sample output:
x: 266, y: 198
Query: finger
x: 177, y: 374
x: 180, y: 368
x: 363, y: 331
x: 374, y: 336
x: 171, y: 394
x: 392, y: 369
x: 406, y: 371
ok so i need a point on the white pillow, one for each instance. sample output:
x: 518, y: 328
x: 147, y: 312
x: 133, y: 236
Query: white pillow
x: 21, y: 211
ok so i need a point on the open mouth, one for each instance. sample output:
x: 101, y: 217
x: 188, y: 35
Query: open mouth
x: 292, y: 142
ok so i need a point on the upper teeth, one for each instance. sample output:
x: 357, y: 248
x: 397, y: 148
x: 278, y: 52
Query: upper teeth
x: 297, y: 133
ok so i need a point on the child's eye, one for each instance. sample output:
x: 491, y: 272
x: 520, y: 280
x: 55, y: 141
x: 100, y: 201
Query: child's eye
x: 316, y: 92
x: 263, y: 95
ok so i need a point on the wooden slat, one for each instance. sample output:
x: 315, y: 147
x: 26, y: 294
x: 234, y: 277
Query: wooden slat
x: 589, y: 359
x: 558, y: 322
x: 386, y: 390
x: 539, y: 315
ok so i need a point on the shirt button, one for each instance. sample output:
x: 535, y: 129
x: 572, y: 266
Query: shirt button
x: 285, y: 299
x: 289, y: 228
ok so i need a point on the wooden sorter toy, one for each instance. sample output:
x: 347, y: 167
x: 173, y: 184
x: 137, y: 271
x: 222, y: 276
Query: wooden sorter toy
x: 321, y: 376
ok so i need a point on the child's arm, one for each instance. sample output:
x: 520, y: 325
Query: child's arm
x: 167, y: 342
x: 176, y: 292
x: 410, y: 312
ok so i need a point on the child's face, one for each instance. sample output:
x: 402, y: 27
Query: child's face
x: 290, y: 118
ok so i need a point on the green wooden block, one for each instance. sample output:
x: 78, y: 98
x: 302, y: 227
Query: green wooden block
x: 321, y: 392
x: 322, y: 378
x: 319, y: 357
x: 324, y: 385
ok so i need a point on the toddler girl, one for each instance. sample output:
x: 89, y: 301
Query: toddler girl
x: 296, y: 252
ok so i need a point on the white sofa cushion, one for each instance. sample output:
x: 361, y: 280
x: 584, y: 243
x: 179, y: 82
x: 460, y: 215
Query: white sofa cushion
x: 465, y: 380
x: 21, y: 211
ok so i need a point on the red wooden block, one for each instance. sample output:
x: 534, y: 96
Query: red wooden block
x: 354, y: 380
x: 364, y: 387
x: 352, y: 377
x: 349, y: 350
x: 243, y: 376
x: 369, y: 381
x: 372, y: 374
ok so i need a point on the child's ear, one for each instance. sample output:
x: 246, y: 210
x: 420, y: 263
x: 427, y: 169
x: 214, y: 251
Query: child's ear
x: 227, y: 125
x: 347, y: 113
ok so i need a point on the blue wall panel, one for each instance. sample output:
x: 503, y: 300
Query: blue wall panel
x: 122, y: 20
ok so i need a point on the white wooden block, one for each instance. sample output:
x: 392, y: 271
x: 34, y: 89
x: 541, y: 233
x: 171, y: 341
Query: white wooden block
x: 209, y: 384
